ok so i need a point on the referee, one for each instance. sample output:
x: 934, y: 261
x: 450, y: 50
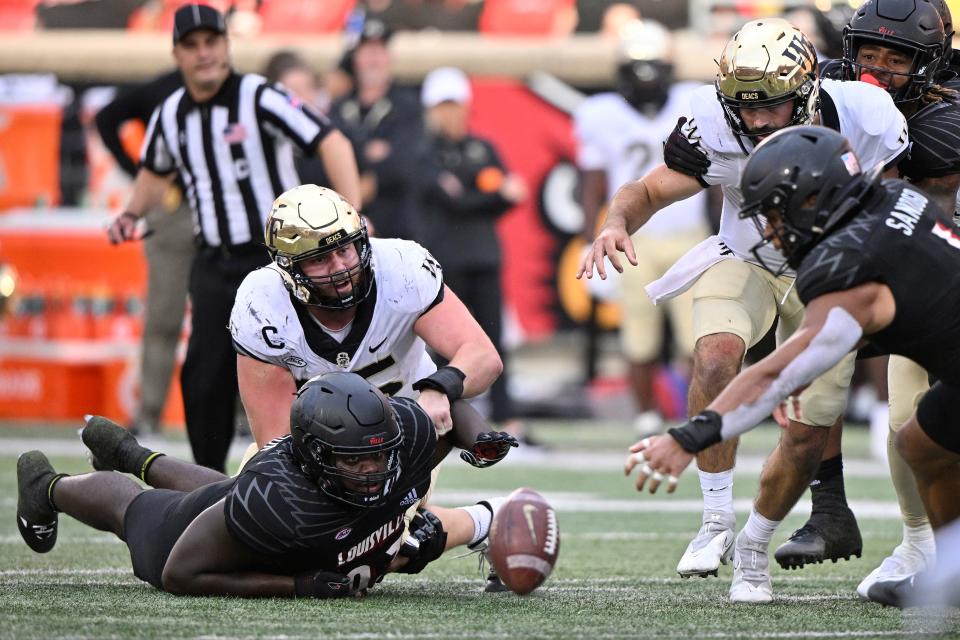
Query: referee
x: 232, y: 139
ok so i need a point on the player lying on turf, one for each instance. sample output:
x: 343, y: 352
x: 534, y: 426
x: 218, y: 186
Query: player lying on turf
x: 317, y: 513
x: 871, y: 259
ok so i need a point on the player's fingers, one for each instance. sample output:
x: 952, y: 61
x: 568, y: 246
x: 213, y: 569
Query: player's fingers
x: 632, y: 461
x: 598, y: 264
x: 629, y: 252
x: 645, y: 472
x: 655, y: 479
x: 641, y: 445
x: 615, y: 261
x: 672, y: 482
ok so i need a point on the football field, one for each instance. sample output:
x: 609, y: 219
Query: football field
x: 614, y: 579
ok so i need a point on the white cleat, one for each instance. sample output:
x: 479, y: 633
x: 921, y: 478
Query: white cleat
x: 751, y: 572
x: 712, y: 546
x: 905, y: 561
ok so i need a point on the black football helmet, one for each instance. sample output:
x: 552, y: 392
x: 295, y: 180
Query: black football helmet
x: 810, y: 177
x: 644, y: 74
x: 341, y: 414
x: 913, y: 27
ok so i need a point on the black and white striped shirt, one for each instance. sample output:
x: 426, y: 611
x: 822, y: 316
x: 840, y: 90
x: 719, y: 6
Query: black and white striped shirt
x: 234, y: 153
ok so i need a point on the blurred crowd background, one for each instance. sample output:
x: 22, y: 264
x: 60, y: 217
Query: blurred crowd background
x: 71, y: 335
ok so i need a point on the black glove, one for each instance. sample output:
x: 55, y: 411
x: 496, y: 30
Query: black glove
x: 681, y: 155
x: 426, y: 542
x: 322, y: 585
x: 489, y: 449
x: 700, y: 432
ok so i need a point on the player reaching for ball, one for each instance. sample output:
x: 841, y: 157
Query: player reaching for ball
x: 317, y: 513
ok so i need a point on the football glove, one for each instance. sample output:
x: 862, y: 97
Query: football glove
x: 322, y: 585
x: 681, y: 155
x: 489, y: 449
x: 426, y: 542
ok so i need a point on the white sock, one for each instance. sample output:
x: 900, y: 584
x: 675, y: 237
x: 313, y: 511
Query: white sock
x: 760, y: 529
x: 482, y: 517
x: 717, y: 490
x: 920, y: 538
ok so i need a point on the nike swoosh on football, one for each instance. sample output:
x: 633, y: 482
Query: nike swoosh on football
x: 372, y: 349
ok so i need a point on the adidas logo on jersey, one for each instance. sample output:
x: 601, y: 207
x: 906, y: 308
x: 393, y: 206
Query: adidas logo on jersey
x: 410, y: 498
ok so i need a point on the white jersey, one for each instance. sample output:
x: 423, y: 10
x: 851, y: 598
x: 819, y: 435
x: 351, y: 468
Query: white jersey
x: 865, y: 114
x: 381, y: 346
x: 619, y: 140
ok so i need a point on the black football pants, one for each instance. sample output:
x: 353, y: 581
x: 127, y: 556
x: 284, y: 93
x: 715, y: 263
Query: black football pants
x: 209, y: 376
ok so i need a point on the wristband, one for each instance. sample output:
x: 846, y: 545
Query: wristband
x: 447, y: 380
x: 701, y: 432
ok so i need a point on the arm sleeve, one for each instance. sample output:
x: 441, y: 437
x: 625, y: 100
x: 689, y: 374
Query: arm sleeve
x: 109, y: 120
x: 839, y: 334
x: 156, y: 155
x: 300, y: 123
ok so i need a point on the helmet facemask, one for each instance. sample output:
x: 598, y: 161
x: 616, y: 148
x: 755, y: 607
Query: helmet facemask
x: 924, y: 64
x: 308, y: 223
x: 356, y: 489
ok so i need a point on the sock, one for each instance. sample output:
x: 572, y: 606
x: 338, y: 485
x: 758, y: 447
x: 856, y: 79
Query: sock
x: 482, y: 517
x: 920, y: 538
x: 146, y: 461
x: 826, y: 491
x: 760, y: 529
x: 717, y: 490
x: 50, y: 485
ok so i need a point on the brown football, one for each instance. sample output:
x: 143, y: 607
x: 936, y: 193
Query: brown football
x: 524, y: 541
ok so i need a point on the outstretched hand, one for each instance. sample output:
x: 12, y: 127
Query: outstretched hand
x: 489, y: 449
x: 609, y: 242
x: 657, y: 457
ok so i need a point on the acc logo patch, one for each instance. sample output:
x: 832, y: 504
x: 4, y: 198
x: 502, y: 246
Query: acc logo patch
x: 294, y: 361
x: 343, y: 533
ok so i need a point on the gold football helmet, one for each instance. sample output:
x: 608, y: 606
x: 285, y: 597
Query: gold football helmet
x: 768, y: 62
x: 308, y: 222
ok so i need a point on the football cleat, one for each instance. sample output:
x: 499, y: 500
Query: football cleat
x: 906, y: 560
x: 823, y: 537
x: 112, y: 448
x: 751, y: 572
x: 36, y: 518
x: 712, y: 546
x: 494, y: 584
x: 899, y: 593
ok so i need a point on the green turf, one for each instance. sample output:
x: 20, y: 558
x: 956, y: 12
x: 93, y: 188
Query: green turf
x: 615, y: 577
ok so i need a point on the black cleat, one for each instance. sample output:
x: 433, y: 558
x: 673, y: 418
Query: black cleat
x: 36, y: 519
x: 494, y: 583
x: 112, y: 448
x: 823, y: 537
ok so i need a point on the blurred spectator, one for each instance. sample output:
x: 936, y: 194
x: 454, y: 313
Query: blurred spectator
x: 465, y: 189
x: 385, y: 124
x: 441, y: 15
x: 549, y: 18
x: 169, y: 252
x: 620, y: 137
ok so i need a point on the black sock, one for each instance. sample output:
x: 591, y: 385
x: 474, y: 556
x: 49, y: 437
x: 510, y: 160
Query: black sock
x: 144, y: 462
x: 827, y: 490
x: 50, y: 485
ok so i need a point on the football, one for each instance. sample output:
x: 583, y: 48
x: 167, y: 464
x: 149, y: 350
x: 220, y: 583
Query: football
x: 524, y: 541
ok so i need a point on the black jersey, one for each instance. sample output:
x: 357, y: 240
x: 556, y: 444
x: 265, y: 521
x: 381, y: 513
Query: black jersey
x: 906, y: 242
x: 278, y: 511
x: 934, y: 132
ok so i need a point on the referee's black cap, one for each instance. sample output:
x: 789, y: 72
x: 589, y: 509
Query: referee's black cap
x: 191, y: 17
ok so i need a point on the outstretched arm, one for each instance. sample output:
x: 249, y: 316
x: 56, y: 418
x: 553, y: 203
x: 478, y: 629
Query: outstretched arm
x: 833, y: 325
x: 632, y: 206
x: 208, y: 561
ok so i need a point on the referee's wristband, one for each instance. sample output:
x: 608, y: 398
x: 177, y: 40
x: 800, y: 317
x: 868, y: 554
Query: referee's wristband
x: 701, y: 432
x: 447, y: 380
